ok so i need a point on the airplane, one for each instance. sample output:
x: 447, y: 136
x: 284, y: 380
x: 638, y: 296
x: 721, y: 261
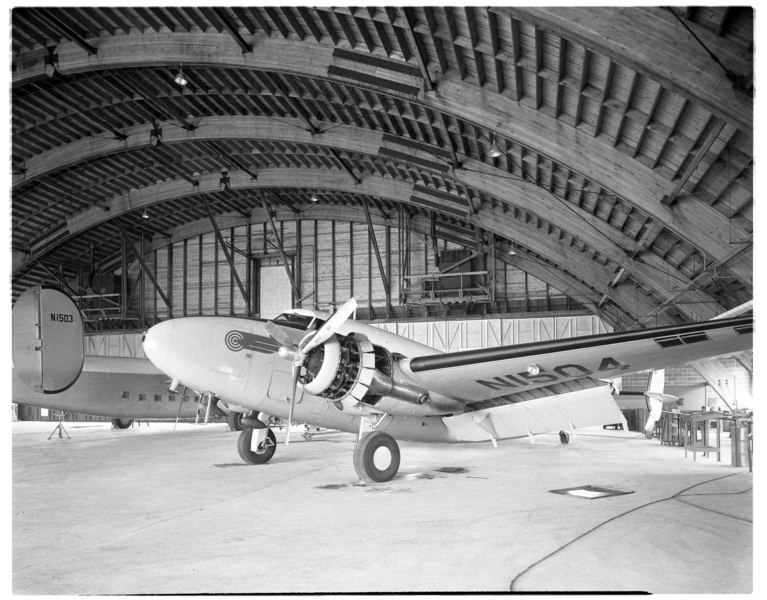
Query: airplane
x: 50, y: 370
x: 119, y: 388
x: 334, y: 372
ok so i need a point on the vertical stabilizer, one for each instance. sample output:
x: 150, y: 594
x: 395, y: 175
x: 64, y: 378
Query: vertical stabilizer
x: 47, y: 340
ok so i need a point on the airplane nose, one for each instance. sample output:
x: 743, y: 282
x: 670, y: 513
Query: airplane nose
x: 157, y: 343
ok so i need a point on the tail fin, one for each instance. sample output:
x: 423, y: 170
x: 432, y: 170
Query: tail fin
x: 47, y: 336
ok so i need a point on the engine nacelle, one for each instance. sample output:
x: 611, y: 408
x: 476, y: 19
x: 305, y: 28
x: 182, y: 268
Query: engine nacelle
x: 365, y: 379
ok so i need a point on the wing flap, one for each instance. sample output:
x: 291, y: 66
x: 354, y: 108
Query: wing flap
x: 584, y: 383
x: 572, y: 410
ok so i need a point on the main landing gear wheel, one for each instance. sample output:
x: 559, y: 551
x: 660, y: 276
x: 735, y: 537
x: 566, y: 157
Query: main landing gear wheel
x: 260, y: 455
x: 122, y: 423
x: 376, y: 457
x: 564, y: 437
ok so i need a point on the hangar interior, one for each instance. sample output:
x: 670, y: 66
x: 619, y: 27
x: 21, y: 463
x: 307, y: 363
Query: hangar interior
x: 432, y: 162
x: 472, y: 176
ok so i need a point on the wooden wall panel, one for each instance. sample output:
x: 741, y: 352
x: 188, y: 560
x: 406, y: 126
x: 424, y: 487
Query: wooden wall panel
x: 193, y: 276
x: 338, y: 261
x: 360, y: 263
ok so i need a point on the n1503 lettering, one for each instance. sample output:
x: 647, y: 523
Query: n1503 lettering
x: 62, y: 318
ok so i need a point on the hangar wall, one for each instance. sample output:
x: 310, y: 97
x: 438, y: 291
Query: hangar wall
x: 330, y: 262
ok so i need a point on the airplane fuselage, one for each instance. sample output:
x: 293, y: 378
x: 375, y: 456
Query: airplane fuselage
x: 236, y: 359
x: 114, y: 387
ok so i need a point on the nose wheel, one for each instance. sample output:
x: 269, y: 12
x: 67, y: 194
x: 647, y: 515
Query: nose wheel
x: 256, y: 446
x: 376, y: 457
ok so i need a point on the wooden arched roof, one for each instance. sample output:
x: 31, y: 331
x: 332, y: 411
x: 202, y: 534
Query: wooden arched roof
x: 626, y: 134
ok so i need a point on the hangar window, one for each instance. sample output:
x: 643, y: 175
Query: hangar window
x: 124, y: 395
x: 141, y: 397
x: 157, y: 397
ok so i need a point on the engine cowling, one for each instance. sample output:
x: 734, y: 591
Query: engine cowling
x: 365, y: 379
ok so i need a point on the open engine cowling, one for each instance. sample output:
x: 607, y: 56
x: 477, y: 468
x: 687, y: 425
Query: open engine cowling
x: 366, y: 379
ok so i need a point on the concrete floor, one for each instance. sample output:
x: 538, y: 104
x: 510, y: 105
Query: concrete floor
x: 152, y: 511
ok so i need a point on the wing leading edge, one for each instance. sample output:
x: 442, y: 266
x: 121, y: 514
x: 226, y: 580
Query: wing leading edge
x: 477, y: 375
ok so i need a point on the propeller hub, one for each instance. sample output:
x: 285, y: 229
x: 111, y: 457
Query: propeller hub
x: 290, y: 354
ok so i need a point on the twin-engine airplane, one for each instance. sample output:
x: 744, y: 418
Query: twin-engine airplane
x: 341, y: 374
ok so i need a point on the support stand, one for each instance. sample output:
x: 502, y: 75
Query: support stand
x: 60, y: 428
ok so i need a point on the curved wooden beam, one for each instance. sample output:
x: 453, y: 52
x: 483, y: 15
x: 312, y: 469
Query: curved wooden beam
x: 689, y: 218
x: 570, y: 258
x: 649, y: 269
x: 630, y: 33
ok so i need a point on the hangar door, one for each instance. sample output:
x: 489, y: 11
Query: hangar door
x: 275, y: 295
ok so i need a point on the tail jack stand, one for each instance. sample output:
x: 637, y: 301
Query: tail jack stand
x: 60, y: 427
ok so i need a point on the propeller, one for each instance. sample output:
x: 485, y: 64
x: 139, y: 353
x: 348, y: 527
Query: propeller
x: 311, y: 340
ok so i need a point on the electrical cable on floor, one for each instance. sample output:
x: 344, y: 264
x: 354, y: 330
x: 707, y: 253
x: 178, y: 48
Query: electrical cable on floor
x: 716, y: 512
x: 610, y: 520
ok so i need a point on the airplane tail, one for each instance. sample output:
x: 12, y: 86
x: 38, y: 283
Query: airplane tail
x: 47, y: 334
x: 656, y: 398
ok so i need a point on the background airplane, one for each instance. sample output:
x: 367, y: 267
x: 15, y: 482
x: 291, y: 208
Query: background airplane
x: 51, y: 371
x: 340, y: 374
x: 122, y: 389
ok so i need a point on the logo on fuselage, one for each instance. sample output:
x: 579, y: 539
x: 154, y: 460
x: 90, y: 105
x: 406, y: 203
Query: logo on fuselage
x: 242, y: 340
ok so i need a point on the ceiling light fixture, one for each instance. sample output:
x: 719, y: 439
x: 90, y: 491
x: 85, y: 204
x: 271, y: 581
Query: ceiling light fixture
x: 314, y: 197
x: 145, y: 215
x: 494, y: 151
x: 512, y: 252
x: 180, y: 79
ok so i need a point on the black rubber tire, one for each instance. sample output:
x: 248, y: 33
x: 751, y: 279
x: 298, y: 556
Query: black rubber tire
x: 266, y: 449
x: 564, y: 437
x: 234, y: 420
x: 364, y: 457
x: 122, y: 423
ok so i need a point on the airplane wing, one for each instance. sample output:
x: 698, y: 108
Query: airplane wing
x: 495, y: 376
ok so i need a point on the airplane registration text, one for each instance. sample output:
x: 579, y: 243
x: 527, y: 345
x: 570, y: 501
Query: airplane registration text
x: 543, y: 377
x: 62, y: 318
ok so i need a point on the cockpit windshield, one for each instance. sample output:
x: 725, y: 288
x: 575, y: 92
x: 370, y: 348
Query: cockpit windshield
x: 304, y: 322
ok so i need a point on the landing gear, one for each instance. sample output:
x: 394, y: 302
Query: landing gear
x: 376, y: 457
x: 263, y: 452
x: 122, y: 423
x: 564, y: 437
x: 234, y: 420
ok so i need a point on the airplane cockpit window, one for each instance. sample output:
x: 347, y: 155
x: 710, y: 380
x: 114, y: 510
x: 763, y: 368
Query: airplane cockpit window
x: 304, y: 322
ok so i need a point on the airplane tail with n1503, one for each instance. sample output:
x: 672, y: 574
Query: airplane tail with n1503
x: 337, y: 373
x: 51, y: 370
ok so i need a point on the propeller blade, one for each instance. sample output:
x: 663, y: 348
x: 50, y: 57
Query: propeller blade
x: 296, y: 373
x: 279, y: 334
x: 331, y: 325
